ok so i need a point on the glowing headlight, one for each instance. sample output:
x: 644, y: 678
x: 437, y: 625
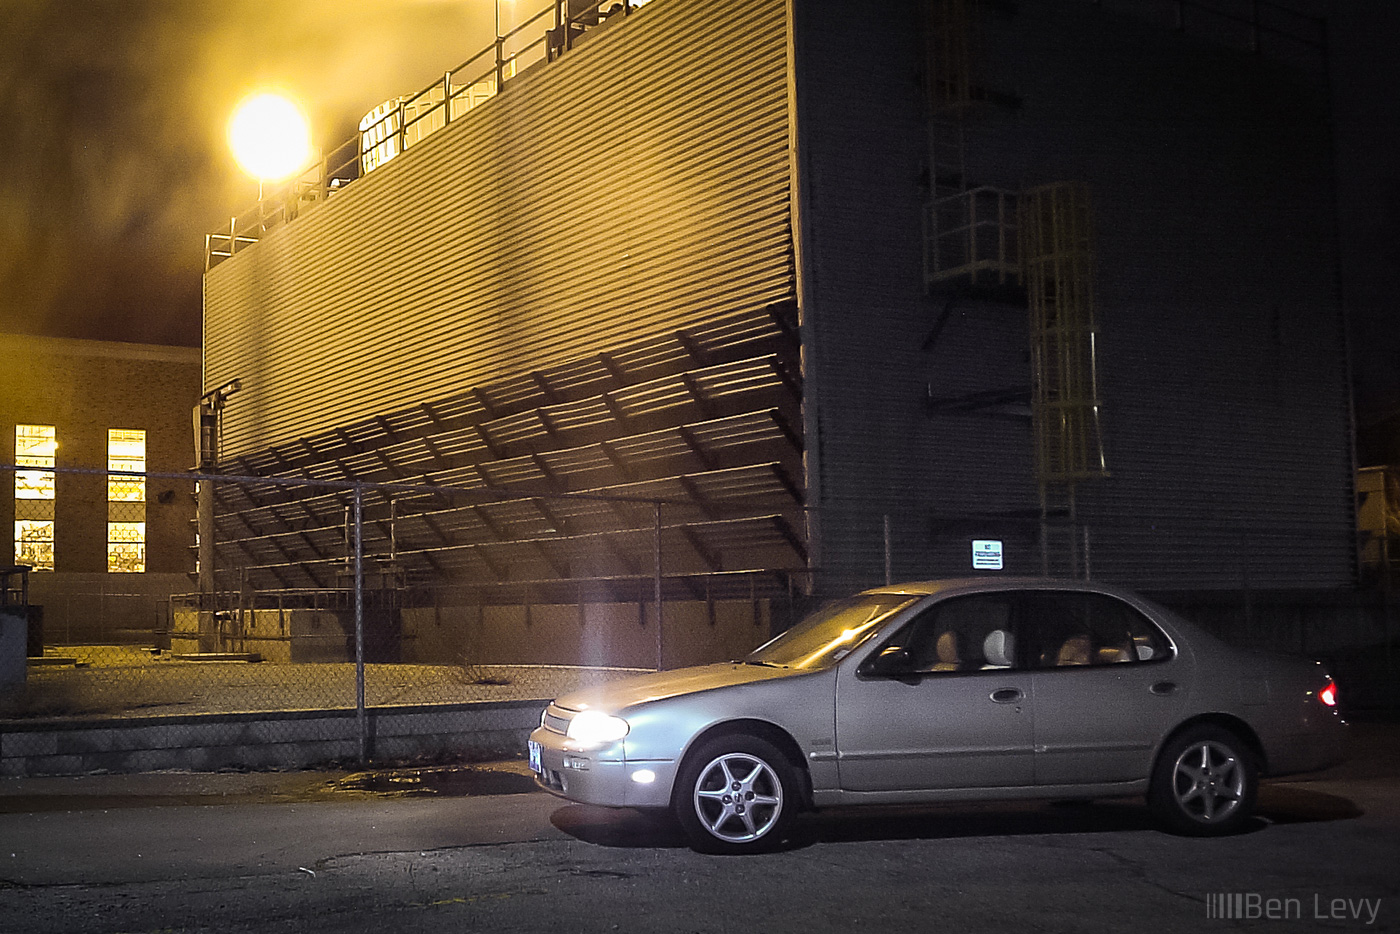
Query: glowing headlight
x: 596, y: 728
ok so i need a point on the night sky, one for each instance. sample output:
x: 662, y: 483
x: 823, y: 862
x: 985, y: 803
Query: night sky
x: 114, y: 163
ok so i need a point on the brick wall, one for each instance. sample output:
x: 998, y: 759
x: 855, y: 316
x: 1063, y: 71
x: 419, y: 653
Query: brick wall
x: 83, y: 388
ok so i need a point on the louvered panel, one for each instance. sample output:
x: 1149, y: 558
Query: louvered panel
x: 643, y: 450
x: 519, y: 519
x: 640, y: 181
x: 652, y: 398
x: 580, y: 466
x: 741, y: 430
x: 517, y: 470
x: 515, y: 429
x: 757, y: 377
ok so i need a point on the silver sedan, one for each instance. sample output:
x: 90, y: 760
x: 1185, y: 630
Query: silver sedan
x: 951, y: 690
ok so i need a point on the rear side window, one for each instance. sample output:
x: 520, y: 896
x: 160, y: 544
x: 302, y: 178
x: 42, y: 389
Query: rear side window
x: 1070, y: 630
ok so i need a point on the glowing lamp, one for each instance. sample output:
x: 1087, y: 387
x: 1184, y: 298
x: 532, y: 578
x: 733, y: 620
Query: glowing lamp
x: 269, y: 137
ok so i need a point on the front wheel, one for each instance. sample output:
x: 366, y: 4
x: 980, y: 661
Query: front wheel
x: 735, y: 794
x: 1204, y: 783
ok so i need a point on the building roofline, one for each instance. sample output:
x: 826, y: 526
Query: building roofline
x: 110, y: 350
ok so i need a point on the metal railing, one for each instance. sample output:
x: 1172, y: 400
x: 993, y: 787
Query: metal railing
x: 972, y: 235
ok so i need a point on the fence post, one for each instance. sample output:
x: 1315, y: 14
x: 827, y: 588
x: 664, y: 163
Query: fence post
x: 360, y: 719
x: 657, y: 586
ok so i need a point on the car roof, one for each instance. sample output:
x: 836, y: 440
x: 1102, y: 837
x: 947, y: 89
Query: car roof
x: 951, y: 584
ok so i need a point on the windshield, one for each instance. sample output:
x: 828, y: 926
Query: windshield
x: 828, y: 635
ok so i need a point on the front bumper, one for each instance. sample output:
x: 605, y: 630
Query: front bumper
x: 600, y: 776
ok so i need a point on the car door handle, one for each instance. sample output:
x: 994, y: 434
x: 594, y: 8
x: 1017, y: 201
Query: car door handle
x: 1163, y: 688
x: 1006, y: 696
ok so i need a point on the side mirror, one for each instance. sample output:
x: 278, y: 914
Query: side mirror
x: 893, y: 661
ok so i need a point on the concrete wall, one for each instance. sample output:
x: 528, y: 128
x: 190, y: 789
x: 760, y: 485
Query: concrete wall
x: 608, y: 634
x: 295, y: 740
x: 1222, y: 376
x: 101, y: 608
x: 285, y: 636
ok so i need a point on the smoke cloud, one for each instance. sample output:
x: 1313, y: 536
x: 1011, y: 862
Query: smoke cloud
x: 115, y: 165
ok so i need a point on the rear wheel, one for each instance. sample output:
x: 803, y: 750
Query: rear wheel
x: 735, y: 794
x: 1204, y: 783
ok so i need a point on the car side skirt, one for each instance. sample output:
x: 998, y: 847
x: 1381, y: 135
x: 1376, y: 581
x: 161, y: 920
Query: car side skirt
x: 838, y: 798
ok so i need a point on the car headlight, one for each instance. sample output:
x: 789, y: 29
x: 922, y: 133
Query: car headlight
x: 595, y: 728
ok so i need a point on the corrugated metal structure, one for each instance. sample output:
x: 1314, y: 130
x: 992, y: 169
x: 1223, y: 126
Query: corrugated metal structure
x: 638, y: 185
x: 760, y: 260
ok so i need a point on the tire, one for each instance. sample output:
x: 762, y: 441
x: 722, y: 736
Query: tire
x: 735, y: 794
x: 1204, y: 783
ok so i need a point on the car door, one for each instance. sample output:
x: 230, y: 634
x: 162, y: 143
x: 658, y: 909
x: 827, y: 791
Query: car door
x: 1106, y: 684
x: 942, y: 703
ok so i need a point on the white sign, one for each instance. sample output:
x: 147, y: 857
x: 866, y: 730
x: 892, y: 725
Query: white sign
x: 986, y: 554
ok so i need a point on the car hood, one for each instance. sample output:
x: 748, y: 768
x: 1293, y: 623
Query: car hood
x: 629, y: 692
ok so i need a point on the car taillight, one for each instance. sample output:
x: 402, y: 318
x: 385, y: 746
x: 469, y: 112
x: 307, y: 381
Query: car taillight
x: 1328, y: 695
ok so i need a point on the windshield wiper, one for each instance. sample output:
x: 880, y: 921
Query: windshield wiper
x: 750, y: 661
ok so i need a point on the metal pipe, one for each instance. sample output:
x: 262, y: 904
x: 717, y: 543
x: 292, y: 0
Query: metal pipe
x: 660, y: 658
x: 889, y: 578
x: 361, y: 720
x: 402, y: 129
x: 500, y: 50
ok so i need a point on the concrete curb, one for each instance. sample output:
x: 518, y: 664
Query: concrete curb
x: 293, y: 739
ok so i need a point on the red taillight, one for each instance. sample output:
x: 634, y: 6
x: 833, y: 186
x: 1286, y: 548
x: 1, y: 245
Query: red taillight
x: 1328, y: 695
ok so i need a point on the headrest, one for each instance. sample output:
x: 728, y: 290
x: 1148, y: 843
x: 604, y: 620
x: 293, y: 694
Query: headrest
x: 999, y: 648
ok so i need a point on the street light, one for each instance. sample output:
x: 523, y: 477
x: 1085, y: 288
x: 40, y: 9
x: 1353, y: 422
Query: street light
x: 269, y: 137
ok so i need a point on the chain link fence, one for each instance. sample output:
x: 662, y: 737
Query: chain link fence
x: 336, y: 595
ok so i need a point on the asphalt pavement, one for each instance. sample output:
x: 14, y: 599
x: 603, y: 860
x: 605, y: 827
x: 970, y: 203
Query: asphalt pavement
x: 476, y: 847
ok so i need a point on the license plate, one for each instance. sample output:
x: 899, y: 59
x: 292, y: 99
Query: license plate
x: 534, y: 756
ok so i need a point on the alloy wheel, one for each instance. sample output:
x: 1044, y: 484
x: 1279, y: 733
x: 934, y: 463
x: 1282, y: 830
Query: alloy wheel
x: 1209, y: 782
x: 738, y: 797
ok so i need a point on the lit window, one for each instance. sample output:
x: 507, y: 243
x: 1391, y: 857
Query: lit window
x: 35, y: 446
x: 126, y: 547
x: 34, y: 543
x: 126, y: 450
x: 126, y: 501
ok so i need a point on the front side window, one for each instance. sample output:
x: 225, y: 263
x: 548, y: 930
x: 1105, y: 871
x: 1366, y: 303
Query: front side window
x: 962, y: 634
x: 1088, y: 629
x: 36, y: 446
x: 829, y: 635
